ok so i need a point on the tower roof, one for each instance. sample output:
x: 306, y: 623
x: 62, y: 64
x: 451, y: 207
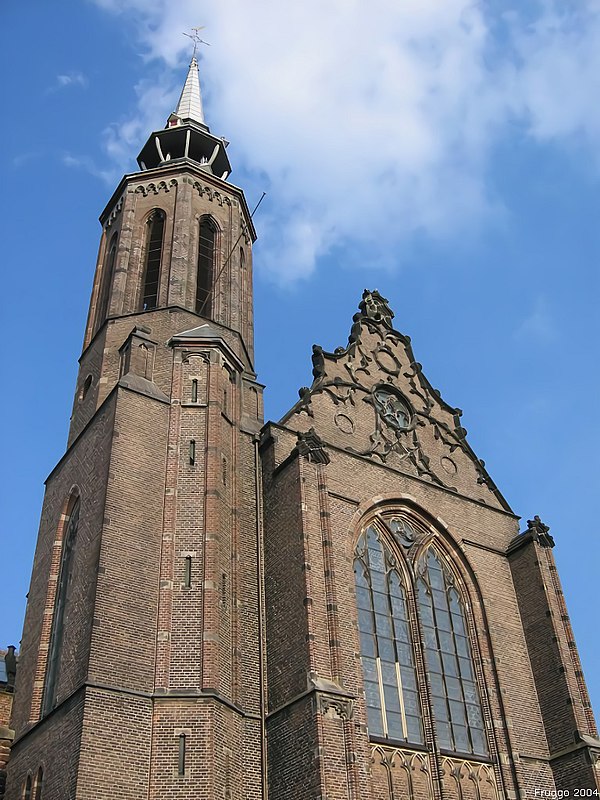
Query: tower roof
x: 190, y: 102
x: 186, y: 135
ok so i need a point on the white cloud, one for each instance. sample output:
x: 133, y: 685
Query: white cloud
x: 155, y: 101
x: 86, y: 163
x: 558, y: 84
x: 369, y: 123
x: 69, y: 79
x: 538, y: 325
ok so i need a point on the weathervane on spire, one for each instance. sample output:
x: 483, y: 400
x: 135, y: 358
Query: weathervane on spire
x: 195, y: 37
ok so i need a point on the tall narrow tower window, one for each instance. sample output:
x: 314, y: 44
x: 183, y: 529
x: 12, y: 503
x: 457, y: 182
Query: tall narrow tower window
x: 181, y: 755
x: 206, y: 266
x: 64, y: 580
x: 456, y: 704
x: 39, y: 784
x: 187, y: 572
x: 154, y: 246
x: 106, y: 282
x: 393, y: 708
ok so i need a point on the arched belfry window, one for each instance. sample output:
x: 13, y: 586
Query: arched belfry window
x: 387, y: 655
x: 62, y: 593
x: 207, y: 240
x: 39, y: 784
x: 455, y: 696
x: 397, y: 581
x: 153, y: 257
x: 108, y: 271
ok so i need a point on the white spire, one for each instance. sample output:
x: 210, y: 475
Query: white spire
x: 190, y: 102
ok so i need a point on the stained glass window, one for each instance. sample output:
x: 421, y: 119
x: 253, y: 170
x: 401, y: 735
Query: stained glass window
x: 154, y: 245
x: 456, y: 703
x: 393, y: 707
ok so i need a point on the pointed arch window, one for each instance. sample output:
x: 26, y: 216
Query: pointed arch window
x: 27, y: 790
x: 207, y: 240
x: 455, y: 696
x: 106, y: 282
x: 384, y: 595
x: 64, y: 581
x: 39, y: 784
x: 153, y: 257
x: 393, y: 707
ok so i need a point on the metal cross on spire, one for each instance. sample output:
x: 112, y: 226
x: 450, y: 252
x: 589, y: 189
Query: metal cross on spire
x: 195, y: 37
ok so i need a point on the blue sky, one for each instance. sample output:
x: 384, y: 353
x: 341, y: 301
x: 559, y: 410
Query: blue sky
x: 445, y: 153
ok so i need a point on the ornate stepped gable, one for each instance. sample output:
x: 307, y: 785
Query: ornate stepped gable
x: 372, y: 399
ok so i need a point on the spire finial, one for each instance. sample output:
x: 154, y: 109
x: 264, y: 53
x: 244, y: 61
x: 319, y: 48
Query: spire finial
x: 189, y: 106
x: 195, y: 37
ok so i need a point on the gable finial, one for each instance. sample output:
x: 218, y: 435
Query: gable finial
x: 375, y: 307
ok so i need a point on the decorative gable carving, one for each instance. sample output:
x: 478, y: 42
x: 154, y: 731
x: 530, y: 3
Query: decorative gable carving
x: 372, y: 399
x: 312, y: 447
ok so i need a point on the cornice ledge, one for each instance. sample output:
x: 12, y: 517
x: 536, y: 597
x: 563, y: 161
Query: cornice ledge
x: 583, y: 742
x: 139, y: 385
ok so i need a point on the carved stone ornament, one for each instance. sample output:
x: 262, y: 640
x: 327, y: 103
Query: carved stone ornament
x: 403, y: 532
x: 335, y: 707
x: 311, y: 446
x: 155, y: 188
x: 540, y: 532
x: 375, y: 307
x: 344, y: 423
x: 114, y: 213
x: 391, y: 409
x: 378, y: 369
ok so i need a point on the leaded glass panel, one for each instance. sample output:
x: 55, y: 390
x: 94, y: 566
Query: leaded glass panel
x: 456, y: 703
x: 387, y: 657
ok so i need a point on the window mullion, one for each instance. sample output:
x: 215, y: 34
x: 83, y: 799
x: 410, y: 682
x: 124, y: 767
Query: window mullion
x: 442, y: 665
x: 382, y: 696
x: 401, y: 696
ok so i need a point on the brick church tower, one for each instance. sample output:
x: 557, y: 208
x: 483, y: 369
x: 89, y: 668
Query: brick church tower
x: 338, y: 606
x: 140, y: 668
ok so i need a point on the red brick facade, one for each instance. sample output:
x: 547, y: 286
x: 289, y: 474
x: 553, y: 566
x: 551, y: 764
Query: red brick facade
x: 195, y: 634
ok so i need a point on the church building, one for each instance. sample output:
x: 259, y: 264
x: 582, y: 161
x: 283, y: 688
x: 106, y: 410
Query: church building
x: 337, y: 606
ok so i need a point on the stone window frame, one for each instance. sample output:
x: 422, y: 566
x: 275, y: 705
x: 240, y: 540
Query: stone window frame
x: 206, y: 308
x: 39, y: 783
x: 106, y: 279
x: 389, y: 663
x: 408, y: 555
x: 70, y: 528
x: 147, y: 227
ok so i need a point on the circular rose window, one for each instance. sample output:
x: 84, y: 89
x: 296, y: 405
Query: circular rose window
x: 392, y: 409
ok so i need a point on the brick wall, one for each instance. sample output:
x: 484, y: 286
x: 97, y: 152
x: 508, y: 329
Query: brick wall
x: 564, y: 701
